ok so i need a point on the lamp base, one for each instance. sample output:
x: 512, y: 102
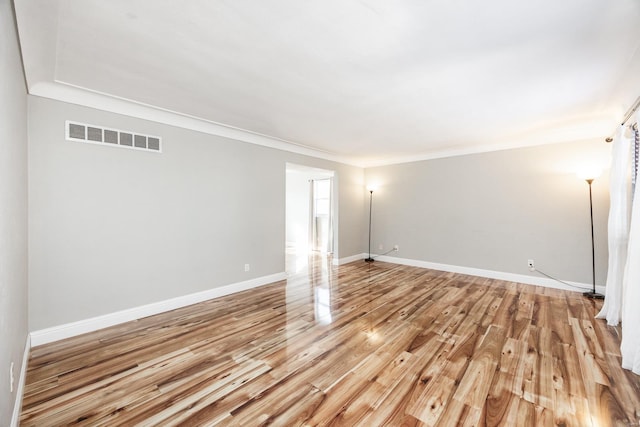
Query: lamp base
x: 368, y: 259
x: 593, y: 295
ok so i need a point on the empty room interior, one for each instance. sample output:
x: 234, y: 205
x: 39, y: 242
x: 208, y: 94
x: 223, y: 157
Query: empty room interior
x: 358, y: 213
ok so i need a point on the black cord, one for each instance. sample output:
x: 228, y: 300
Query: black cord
x: 389, y: 251
x: 536, y: 270
x: 563, y: 282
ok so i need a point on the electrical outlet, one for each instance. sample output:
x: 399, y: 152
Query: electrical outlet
x: 531, y: 265
x: 396, y: 248
x: 12, y: 379
x: 247, y: 267
x: 380, y: 247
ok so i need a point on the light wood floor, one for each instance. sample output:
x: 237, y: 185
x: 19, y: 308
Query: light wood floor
x: 361, y: 344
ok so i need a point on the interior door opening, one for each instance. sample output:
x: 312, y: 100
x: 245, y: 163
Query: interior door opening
x: 310, y: 206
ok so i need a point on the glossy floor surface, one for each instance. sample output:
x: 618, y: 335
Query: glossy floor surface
x: 361, y: 344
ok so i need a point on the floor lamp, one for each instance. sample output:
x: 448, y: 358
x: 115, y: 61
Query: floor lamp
x: 592, y: 294
x: 370, y: 206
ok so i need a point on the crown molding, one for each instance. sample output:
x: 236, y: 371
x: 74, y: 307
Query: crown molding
x: 523, y: 142
x: 71, y: 94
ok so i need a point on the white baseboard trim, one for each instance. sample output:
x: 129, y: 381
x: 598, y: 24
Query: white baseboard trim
x: 349, y: 259
x: 56, y: 333
x: 500, y: 275
x: 17, y: 405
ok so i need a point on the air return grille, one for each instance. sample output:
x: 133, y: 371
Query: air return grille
x: 112, y: 137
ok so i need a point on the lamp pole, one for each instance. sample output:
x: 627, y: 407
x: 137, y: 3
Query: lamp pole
x: 592, y: 294
x: 370, y: 208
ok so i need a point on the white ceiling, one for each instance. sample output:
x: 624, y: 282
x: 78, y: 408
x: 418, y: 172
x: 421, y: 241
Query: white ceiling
x: 364, y: 82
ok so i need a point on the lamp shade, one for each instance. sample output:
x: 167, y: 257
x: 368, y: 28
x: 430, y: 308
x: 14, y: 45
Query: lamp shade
x: 589, y: 172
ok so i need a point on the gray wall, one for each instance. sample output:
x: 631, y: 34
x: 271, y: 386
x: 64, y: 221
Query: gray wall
x: 494, y: 211
x: 112, y: 228
x: 13, y: 209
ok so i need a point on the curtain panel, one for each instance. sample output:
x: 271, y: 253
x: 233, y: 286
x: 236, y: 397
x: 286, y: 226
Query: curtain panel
x: 622, y: 299
x: 618, y: 227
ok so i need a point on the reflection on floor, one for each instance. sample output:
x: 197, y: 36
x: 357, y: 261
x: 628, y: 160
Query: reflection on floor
x: 370, y: 344
x: 298, y: 260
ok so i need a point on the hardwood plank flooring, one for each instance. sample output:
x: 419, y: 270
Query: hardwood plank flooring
x: 363, y: 344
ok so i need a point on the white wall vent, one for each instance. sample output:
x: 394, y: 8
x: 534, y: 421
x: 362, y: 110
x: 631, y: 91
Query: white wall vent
x: 82, y: 132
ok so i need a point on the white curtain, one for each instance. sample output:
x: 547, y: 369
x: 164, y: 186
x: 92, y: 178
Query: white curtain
x: 312, y: 218
x: 321, y: 215
x: 330, y: 231
x: 630, y: 347
x: 618, y: 227
x: 622, y: 301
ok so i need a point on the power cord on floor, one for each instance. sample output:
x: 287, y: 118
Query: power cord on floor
x: 389, y: 251
x: 561, y: 281
x: 535, y: 270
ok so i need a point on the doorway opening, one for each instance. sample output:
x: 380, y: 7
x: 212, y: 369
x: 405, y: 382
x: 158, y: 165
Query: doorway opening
x: 310, y: 196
